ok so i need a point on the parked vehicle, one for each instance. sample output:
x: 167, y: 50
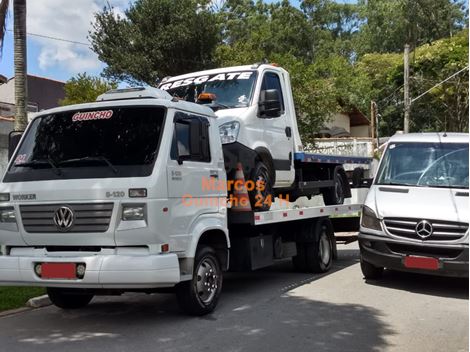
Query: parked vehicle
x: 415, y: 217
x: 130, y: 194
x: 258, y: 127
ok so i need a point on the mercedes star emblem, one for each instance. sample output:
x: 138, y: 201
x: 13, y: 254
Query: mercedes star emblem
x: 423, y: 229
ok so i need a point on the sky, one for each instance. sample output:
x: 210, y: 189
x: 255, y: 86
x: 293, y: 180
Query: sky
x: 69, y: 20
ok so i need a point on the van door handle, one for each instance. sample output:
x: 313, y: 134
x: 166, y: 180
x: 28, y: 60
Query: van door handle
x: 214, y: 174
x: 288, y: 132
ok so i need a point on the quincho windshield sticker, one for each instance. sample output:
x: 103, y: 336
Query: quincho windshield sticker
x: 92, y: 115
x: 229, y: 76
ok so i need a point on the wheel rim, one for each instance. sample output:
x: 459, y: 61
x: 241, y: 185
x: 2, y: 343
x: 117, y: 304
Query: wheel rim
x: 207, y: 281
x: 325, y: 249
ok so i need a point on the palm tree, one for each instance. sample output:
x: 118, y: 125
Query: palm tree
x: 19, y: 35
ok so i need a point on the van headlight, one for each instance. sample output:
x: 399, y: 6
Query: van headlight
x: 7, y: 214
x: 229, y: 132
x: 133, y: 212
x: 369, y: 219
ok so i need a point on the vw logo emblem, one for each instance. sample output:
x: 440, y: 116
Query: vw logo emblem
x: 423, y: 229
x: 63, y: 218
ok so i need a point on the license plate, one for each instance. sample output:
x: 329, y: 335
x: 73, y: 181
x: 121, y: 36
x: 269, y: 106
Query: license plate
x: 67, y: 271
x: 415, y: 262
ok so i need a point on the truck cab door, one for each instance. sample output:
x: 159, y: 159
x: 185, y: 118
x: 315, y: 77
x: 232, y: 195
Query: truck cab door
x: 278, y: 133
x: 193, y: 176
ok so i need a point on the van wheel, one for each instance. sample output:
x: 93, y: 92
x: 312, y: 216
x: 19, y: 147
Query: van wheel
x: 199, y: 295
x: 371, y: 272
x: 335, y: 194
x: 68, y: 298
x: 262, y: 195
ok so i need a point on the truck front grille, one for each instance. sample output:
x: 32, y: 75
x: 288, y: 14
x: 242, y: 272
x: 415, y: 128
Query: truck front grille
x: 442, y: 230
x: 88, y: 217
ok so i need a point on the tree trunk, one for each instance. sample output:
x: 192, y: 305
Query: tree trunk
x: 21, y: 86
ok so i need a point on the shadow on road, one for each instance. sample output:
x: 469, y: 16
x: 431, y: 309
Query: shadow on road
x: 277, y: 324
x: 425, y: 284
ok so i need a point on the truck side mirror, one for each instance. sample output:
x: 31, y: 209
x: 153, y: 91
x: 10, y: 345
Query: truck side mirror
x: 14, y: 138
x: 269, y: 103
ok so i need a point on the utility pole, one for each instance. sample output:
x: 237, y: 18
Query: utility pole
x: 407, y: 102
x: 373, y: 110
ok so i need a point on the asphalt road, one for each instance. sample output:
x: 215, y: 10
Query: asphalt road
x: 270, y: 310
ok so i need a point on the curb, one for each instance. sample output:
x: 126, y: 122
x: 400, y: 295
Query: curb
x: 38, y: 302
x: 14, y: 311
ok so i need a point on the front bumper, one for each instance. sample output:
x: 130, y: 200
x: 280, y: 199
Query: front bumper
x: 390, y: 253
x: 113, y: 271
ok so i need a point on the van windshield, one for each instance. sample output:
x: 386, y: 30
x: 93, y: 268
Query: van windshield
x: 228, y: 90
x: 98, y: 143
x: 425, y: 165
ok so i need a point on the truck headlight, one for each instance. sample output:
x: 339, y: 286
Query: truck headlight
x: 133, y: 212
x: 7, y: 214
x: 4, y: 197
x: 229, y: 132
x: 369, y: 219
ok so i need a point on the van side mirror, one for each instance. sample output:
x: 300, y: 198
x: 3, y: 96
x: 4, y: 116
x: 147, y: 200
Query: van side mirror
x: 14, y: 138
x: 269, y: 103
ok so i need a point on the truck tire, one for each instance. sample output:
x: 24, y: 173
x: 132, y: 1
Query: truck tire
x: 371, y: 272
x: 315, y: 257
x: 334, y: 195
x: 199, y: 295
x: 357, y: 176
x: 261, y: 199
x: 68, y: 298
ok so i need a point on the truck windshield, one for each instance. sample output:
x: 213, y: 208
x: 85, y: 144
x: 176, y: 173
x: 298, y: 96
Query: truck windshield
x: 425, y: 165
x: 229, y: 89
x: 98, y: 143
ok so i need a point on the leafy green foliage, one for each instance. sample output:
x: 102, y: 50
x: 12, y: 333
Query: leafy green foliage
x: 340, y: 56
x: 155, y: 39
x: 84, y: 89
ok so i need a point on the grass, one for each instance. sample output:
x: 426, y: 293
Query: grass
x: 15, y: 297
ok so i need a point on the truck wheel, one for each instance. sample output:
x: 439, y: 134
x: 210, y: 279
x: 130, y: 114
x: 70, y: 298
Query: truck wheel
x: 262, y: 195
x: 334, y: 195
x: 68, y: 298
x: 357, y: 176
x: 199, y: 295
x: 371, y: 272
x: 319, y: 254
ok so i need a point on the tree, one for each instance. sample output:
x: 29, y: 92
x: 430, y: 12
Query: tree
x: 20, y: 67
x: 155, y: 39
x: 389, y: 24
x: 84, y: 89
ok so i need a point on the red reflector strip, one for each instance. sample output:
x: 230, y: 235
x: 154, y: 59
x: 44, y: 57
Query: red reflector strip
x: 58, y: 271
x: 336, y: 209
x: 301, y: 212
x: 284, y: 214
x: 421, y: 263
x: 257, y: 217
x: 321, y: 210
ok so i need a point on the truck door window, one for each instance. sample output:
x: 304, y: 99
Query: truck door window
x: 271, y: 81
x: 181, y: 144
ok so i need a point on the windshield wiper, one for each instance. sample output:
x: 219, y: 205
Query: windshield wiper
x: 90, y: 158
x: 40, y: 162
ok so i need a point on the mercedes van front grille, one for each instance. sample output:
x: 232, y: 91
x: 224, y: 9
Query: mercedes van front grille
x: 439, y: 230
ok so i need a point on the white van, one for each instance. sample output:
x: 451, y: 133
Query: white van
x: 415, y: 217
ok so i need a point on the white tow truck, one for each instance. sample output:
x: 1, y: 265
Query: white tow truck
x: 129, y: 194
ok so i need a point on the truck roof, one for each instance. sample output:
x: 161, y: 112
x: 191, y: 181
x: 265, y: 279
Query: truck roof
x: 253, y: 67
x: 431, y: 137
x: 173, y: 103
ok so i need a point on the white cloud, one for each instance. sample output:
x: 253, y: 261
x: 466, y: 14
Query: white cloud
x: 69, y: 20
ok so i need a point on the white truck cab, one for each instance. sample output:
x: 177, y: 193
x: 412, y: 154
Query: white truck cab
x: 416, y: 215
x: 258, y: 127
